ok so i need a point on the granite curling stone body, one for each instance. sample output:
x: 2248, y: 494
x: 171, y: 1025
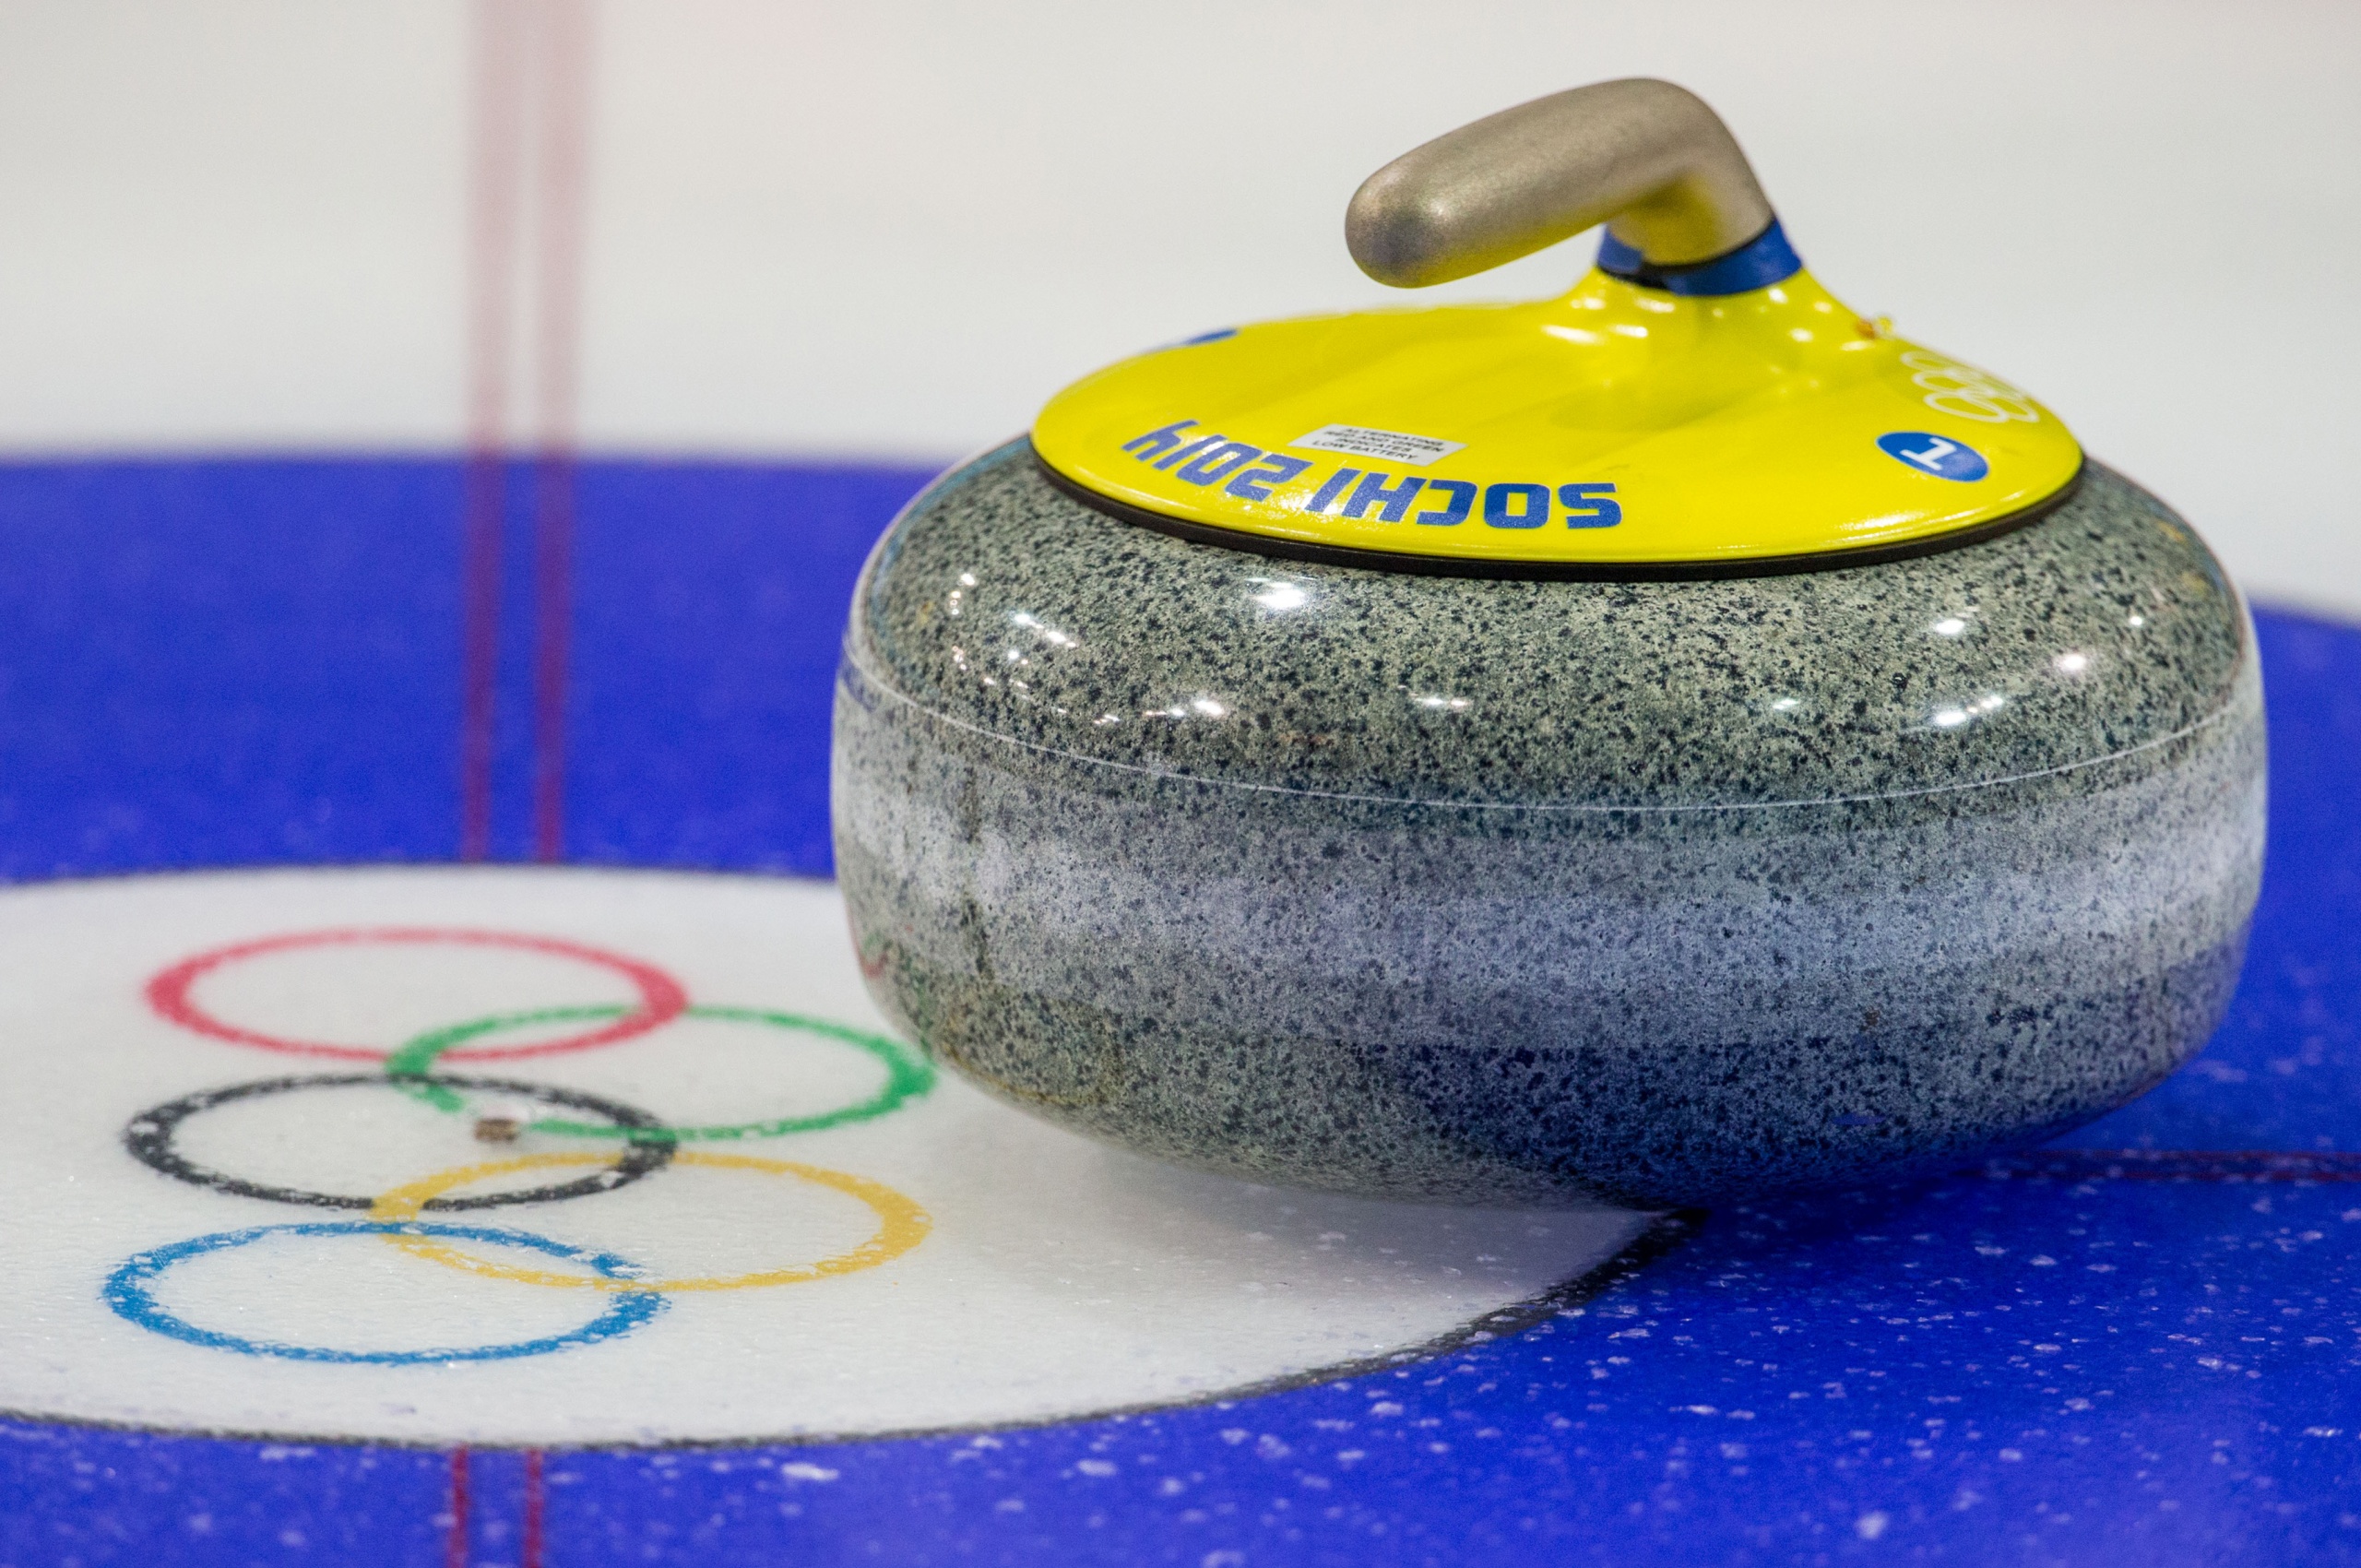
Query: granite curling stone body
x: 1747, y: 752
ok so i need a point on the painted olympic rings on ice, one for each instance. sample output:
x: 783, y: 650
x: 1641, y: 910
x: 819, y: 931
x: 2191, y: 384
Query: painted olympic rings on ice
x: 127, y: 1291
x: 649, y: 1145
x: 907, y: 1072
x: 660, y: 997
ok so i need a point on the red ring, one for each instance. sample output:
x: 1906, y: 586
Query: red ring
x: 661, y: 997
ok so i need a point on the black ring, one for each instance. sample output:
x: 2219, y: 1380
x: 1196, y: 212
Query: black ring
x: 149, y: 1134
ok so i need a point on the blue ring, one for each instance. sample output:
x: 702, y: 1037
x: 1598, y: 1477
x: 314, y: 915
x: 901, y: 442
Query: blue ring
x: 127, y: 1292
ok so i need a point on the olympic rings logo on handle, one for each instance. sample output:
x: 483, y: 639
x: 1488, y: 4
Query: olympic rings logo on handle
x: 649, y: 1144
x: 1968, y: 393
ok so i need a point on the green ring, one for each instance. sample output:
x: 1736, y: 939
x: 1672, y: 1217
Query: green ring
x: 907, y: 1073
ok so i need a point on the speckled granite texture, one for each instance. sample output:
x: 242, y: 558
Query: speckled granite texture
x: 1547, y: 892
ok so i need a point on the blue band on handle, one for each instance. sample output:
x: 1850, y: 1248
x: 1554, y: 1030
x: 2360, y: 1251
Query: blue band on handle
x: 1763, y: 260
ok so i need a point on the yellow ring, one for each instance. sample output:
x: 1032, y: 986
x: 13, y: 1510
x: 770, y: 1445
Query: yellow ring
x: 901, y: 1223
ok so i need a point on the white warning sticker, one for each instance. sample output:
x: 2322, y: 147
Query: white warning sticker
x: 1392, y: 446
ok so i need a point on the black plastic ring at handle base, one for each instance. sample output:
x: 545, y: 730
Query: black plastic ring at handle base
x: 1561, y: 571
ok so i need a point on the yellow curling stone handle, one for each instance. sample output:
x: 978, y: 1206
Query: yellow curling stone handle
x: 1697, y: 404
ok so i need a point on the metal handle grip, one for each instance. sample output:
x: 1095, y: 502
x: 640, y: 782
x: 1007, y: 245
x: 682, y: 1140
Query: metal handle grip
x: 1647, y: 158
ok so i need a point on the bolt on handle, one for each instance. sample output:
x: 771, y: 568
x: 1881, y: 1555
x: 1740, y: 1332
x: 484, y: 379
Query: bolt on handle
x: 1647, y: 158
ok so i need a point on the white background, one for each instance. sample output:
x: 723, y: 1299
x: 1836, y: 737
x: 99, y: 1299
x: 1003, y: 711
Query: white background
x: 892, y: 228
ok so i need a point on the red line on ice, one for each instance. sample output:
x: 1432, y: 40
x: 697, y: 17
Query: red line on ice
x: 564, y: 171
x: 495, y: 146
x: 528, y: 1548
x: 454, y: 1544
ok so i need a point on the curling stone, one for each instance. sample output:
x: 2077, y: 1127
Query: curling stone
x: 1666, y: 742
